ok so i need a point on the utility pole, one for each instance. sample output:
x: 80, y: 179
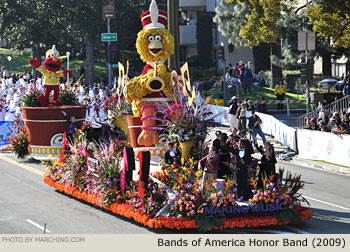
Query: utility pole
x: 109, y: 55
x: 307, y: 79
x: 173, y: 26
x: 307, y: 42
x: 108, y: 12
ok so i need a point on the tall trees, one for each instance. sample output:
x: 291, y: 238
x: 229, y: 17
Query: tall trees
x: 331, y: 20
x: 38, y: 24
x: 34, y: 24
x: 254, y: 21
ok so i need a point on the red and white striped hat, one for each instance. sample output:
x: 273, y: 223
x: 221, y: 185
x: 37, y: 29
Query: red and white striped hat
x: 154, y: 18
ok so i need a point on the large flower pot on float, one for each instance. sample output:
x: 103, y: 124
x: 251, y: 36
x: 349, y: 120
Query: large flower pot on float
x: 186, y: 148
x: 45, y: 127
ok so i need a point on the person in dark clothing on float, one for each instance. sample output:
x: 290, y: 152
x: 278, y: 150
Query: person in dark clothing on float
x: 172, y: 154
x: 268, y: 163
x: 242, y: 160
x: 223, y: 151
x: 234, y: 137
x: 216, y: 142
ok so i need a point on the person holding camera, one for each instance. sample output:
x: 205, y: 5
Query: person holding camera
x: 254, y: 125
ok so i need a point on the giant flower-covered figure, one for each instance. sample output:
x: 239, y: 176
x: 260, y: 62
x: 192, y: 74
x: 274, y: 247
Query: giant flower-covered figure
x: 154, y: 44
x: 52, y: 74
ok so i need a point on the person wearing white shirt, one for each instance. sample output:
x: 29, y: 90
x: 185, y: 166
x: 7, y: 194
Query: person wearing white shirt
x: 101, y: 95
x: 92, y: 113
x: 91, y: 94
x: 9, y: 81
x: 81, y: 96
x: 18, y: 112
x: 62, y: 86
x: 18, y: 84
x: 3, y: 84
x: 2, y: 111
x: 16, y: 97
x: 10, y: 115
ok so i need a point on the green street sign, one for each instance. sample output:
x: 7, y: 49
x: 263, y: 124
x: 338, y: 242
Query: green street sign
x: 105, y: 37
x: 114, y: 65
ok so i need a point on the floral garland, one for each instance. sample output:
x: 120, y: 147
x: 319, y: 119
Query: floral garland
x: 127, y: 211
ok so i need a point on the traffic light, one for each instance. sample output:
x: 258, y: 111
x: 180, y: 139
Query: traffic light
x: 220, y: 52
x: 114, y: 52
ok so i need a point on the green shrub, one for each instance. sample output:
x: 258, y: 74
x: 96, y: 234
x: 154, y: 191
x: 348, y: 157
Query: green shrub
x: 266, y: 74
x: 291, y: 77
x: 197, y: 73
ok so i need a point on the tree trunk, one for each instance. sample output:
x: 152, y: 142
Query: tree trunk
x: 326, y: 64
x: 276, y: 72
x: 89, y: 61
x: 37, y: 52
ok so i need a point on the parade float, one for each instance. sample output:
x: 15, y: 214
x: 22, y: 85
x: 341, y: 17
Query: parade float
x: 44, y: 121
x: 172, y: 197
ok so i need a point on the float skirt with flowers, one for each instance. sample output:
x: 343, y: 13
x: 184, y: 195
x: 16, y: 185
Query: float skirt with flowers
x: 172, y: 198
x: 127, y: 210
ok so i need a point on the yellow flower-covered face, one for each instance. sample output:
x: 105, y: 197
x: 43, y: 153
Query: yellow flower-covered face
x: 155, y: 45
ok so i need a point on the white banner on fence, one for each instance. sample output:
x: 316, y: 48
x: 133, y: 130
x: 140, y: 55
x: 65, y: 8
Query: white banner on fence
x: 271, y: 126
x: 326, y: 146
x: 220, y: 113
x: 280, y: 131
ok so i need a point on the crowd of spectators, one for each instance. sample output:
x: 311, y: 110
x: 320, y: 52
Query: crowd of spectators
x: 335, y: 123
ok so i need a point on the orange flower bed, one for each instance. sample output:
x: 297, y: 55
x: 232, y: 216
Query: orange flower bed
x: 127, y: 211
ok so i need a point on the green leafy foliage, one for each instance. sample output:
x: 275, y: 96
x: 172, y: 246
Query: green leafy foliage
x: 206, y: 222
x: 18, y: 141
x: 332, y: 20
x: 68, y: 97
x: 30, y: 100
x: 230, y: 17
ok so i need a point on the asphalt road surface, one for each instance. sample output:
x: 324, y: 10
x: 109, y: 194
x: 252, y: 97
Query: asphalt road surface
x: 28, y: 206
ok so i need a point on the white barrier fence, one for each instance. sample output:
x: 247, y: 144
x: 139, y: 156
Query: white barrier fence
x: 326, y: 146
x: 270, y: 126
x: 309, y: 144
x: 280, y: 131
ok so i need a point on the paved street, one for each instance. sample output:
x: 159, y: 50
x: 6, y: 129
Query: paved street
x: 27, y: 204
x: 290, y: 120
